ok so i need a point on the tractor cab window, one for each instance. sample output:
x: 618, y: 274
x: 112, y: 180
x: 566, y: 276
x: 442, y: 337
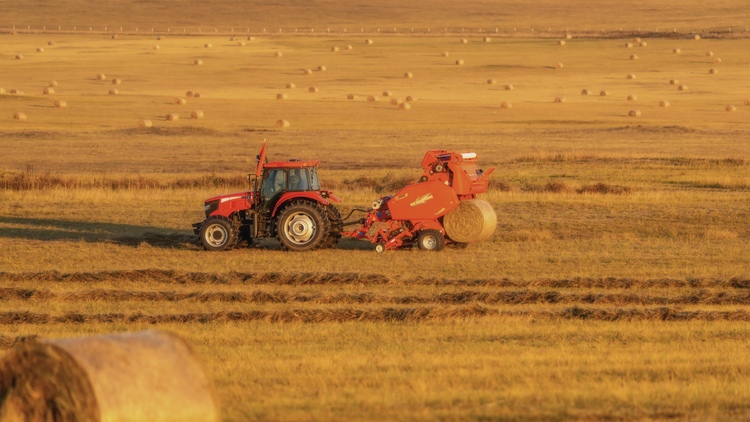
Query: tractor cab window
x: 298, y: 180
x: 274, y: 182
x: 314, y: 184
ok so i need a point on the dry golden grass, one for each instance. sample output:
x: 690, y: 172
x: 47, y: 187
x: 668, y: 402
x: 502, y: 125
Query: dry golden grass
x: 614, y: 288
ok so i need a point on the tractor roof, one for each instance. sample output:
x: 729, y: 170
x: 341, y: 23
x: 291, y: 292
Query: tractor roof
x: 291, y: 164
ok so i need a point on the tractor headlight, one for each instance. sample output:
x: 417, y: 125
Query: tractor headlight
x: 210, y: 207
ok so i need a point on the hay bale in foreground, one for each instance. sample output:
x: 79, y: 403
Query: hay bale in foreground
x: 18, y: 116
x: 472, y: 220
x: 196, y: 114
x: 634, y: 113
x: 559, y: 99
x: 404, y: 106
x: 585, y: 92
x: 506, y: 104
x: 282, y: 124
x: 60, y: 104
x: 52, y: 84
x: 48, y: 91
x: 150, y: 375
x: 173, y: 116
x: 730, y: 108
x: 351, y: 97
x: 101, y: 77
x: 145, y: 123
x: 632, y: 98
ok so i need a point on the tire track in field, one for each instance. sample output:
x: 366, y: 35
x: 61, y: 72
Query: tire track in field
x: 416, y: 314
x: 300, y: 279
x: 516, y: 297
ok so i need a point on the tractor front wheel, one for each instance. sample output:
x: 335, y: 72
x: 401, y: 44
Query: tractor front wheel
x: 430, y: 240
x: 302, y: 226
x: 218, y: 234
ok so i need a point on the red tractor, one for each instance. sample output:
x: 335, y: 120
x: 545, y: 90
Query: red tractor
x: 287, y: 203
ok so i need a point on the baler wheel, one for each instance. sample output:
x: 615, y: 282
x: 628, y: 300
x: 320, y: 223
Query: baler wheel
x: 218, y: 234
x: 431, y: 240
x: 302, y: 226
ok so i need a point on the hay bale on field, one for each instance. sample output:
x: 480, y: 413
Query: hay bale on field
x: 197, y: 62
x: 196, y: 95
x: 730, y: 108
x: 559, y: 99
x: 568, y: 36
x: 696, y: 37
x: 349, y: 47
x: 281, y: 96
x: 52, y: 84
x: 155, y: 47
x: 628, y: 45
x: 473, y: 220
x: 630, y: 76
x: 196, y: 114
x: 101, y: 77
x: 278, y: 54
x: 334, y: 49
x: 283, y: 124
x: 207, y: 45
x: 48, y: 91
x: 50, y: 43
x: 747, y: 102
x: 173, y: 116
x: 307, y: 72
x: 19, y: 57
x: 633, y: 57
x: 460, y: 62
x: 116, y: 81
x: 491, y: 82
x: 676, y: 51
x: 410, y: 99
x: 603, y: 93
x: 637, y: 40
x: 19, y: 116
x: 251, y: 38
x: 559, y: 66
x: 510, y: 87
x: 713, y: 71
x: 506, y: 104
x: 189, y: 94
x: 312, y: 89
x: 322, y: 68
x: 682, y: 87
x: 709, y: 53
x: 643, y: 43
x: 180, y: 101
x: 464, y: 41
x: 674, y: 82
x: 717, y: 60
x: 585, y: 92
x: 561, y: 43
x: 486, y: 39
x: 664, y: 104
x: 151, y: 375
x: 60, y: 104
x: 632, y: 98
x: 351, y: 97
x: 145, y: 123
x: 16, y: 92
x: 39, y: 50
x: 408, y: 75
x: 2, y: 91
x: 445, y: 54
x: 387, y: 93
x: 395, y: 101
x: 368, y: 41
x: 634, y: 113
x: 113, y: 91
x: 291, y: 85
x: 241, y: 43
x: 159, y: 37
x: 404, y: 106
x: 372, y: 98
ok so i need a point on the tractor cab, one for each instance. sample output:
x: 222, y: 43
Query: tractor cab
x: 280, y: 178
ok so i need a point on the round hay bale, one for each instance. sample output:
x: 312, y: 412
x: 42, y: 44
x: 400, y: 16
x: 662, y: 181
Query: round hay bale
x: 445, y: 54
x: 730, y: 108
x: 664, y: 104
x: 561, y: 43
x: 207, y: 45
x: 312, y: 89
x: 145, y: 123
x: 674, y: 82
x: 585, y: 92
x: 60, y: 104
x: 113, y: 91
x: 387, y: 93
x: 322, y: 68
x: 241, y: 43
x: 291, y: 85
x: 486, y: 39
x: 568, y: 36
x: 155, y: 47
x: 307, y: 72
x: 277, y: 54
x: 39, y: 50
x: 628, y: 45
x: 251, y: 38
x: 559, y: 66
x: 372, y: 98
x: 334, y: 49
x: 682, y: 87
x: 559, y: 99
x: 404, y: 106
x: 464, y: 41
x: 717, y: 60
x: 159, y: 37
x: 50, y: 43
x: 747, y: 102
x: 643, y: 43
x: 101, y: 77
x: 16, y: 92
x: 19, y: 57
x: 48, y: 91
x: 630, y: 76
x: 709, y: 53
x: 473, y: 220
x: 189, y: 94
x: 180, y: 101
x: 410, y: 99
x: 281, y: 96
x: 633, y: 57
x: 173, y: 116
x: 198, y: 62
x: 506, y: 104
x: 637, y: 40
x: 408, y: 75
x: 116, y: 81
x: 632, y: 98
x: 351, y: 97
x: 19, y: 116
x: 196, y: 95
x: 349, y: 47
x: 395, y: 101
x: 603, y: 93
x: 2, y: 91
x: 460, y: 62
x: 491, y: 82
x: 368, y: 41
x: 713, y: 71
x: 696, y: 37
x: 634, y: 113
x: 151, y: 375
x: 231, y: 38
x: 196, y: 114
x: 52, y: 84
x: 283, y: 124
x: 510, y: 87
x: 676, y: 51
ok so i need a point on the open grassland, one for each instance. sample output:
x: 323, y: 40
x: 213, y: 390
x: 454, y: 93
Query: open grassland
x: 616, y: 285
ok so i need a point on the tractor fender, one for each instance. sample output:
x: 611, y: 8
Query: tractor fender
x: 313, y: 196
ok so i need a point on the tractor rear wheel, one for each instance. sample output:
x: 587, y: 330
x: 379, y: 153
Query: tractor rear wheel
x: 430, y: 240
x: 337, y: 226
x: 218, y: 234
x: 302, y: 226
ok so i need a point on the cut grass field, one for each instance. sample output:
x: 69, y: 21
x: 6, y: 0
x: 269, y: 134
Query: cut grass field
x: 615, y: 287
